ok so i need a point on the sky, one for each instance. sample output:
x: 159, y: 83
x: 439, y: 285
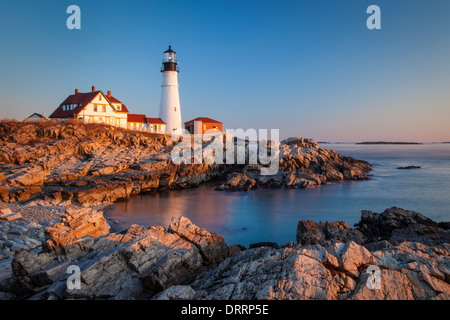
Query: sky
x: 309, y: 68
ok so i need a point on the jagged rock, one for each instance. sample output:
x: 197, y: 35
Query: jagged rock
x: 211, y: 245
x: 11, y: 216
x: 4, y: 194
x: 28, y: 179
x: 76, y: 224
x: 176, y: 293
x: 351, y: 256
x: 396, y: 225
x: 302, y: 164
x: 263, y: 244
x: 140, y: 262
x: 267, y: 273
x: 5, y: 212
x: 310, y: 232
x: 238, y: 182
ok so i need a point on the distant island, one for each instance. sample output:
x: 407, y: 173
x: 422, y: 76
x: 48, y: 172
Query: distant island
x: 385, y: 142
x: 410, y: 167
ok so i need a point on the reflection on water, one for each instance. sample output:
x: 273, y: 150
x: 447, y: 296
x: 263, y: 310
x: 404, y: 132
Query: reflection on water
x: 272, y: 215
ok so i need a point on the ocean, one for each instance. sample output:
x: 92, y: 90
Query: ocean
x: 272, y: 215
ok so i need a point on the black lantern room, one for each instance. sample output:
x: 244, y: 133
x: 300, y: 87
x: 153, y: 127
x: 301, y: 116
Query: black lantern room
x: 170, y: 61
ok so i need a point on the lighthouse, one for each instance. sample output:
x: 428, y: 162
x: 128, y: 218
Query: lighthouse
x: 169, y: 109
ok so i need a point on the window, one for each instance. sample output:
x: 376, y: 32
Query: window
x: 100, y: 119
x: 64, y: 107
x: 119, y: 107
x: 100, y: 97
x: 95, y: 108
x: 104, y: 108
x: 175, y: 108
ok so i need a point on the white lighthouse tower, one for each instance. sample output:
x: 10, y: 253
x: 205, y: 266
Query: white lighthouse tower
x: 169, y: 109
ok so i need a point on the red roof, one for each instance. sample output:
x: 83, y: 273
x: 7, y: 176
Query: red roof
x: 114, y: 100
x: 155, y: 121
x: 203, y: 119
x: 136, y: 118
x: 81, y: 100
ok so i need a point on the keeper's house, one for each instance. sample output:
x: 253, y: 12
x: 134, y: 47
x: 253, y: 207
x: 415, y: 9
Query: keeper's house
x: 93, y: 107
x: 97, y: 107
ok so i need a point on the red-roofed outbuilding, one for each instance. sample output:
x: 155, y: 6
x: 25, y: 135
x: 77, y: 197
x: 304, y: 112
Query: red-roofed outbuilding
x: 156, y: 125
x: 202, y: 124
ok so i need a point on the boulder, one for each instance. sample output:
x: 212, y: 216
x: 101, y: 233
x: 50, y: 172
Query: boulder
x: 238, y: 182
x: 176, y: 293
x: 74, y: 225
x: 396, y: 225
x: 351, y: 256
x: 11, y: 216
x: 4, y: 194
x: 310, y: 232
x: 5, y: 212
x: 28, y: 179
x: 212, y: 246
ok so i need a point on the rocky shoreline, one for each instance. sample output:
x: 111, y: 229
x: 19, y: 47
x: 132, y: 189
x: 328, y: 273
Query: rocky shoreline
x: 57, y: 178
x: 48, y: 164
x: 329, y: 261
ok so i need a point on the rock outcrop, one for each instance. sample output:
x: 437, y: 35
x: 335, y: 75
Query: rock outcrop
x: 310, y: 232
x: 397, y: 225
x: 91, y: 164
x: 185, y: 261
x: 334, y: 261
x: 339, y: 272
x: 302, y: 164
x: 377, y: 230
x: 74, y: 225
x: 137, y: 263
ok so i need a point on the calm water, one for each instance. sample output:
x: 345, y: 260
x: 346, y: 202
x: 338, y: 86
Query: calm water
x: 272, y: 215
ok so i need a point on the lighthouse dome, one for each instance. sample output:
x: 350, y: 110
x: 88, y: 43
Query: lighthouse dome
x: 170, y: 55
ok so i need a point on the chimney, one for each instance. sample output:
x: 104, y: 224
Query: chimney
x: 93, y: 88
x: 76, y: 91
x: 109, y: 93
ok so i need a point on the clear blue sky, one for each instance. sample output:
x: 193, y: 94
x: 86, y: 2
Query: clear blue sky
x: 310, y: 68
